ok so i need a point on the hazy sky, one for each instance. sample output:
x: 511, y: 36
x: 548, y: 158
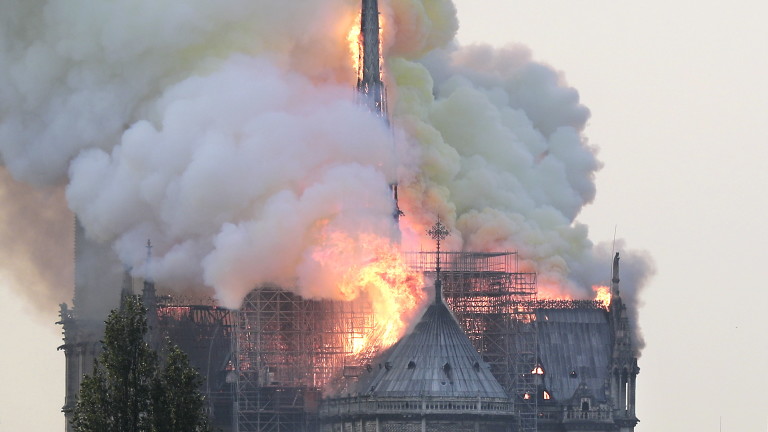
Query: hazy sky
x: 679, y: 100
x: 679, y: 97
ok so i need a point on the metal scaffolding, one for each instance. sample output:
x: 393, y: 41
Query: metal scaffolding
x: 494, y: 303
x: 287, y: 350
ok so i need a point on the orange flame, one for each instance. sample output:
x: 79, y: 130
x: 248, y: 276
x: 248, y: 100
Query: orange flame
x: 355, y: 42
x: 602, y: 294
x: 552, y: 291
x: 354, y: 38
x: 373, y: 266
x: 382, y: 25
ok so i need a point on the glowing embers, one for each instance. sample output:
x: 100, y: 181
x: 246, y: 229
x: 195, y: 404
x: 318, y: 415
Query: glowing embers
x: 538, y: 370
x: 543, y: 395
x: 175, y: 312
x: 602, y: 295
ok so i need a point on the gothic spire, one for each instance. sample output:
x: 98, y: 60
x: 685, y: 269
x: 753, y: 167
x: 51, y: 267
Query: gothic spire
x: 369, y: 84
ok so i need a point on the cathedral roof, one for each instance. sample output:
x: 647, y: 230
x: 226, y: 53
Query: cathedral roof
x: 575, y: 349
x: 435, y: 360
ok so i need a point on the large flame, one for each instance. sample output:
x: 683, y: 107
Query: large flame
x: 354, y: 38
x: 355, y: 43
x: 373, y: 267
x: 602, y: 294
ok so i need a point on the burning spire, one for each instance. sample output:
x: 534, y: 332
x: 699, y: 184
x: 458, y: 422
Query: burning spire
x: 369, y: 84
x: 370, y: 87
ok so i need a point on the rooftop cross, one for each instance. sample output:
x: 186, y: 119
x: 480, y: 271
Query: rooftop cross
x: 438, y: 232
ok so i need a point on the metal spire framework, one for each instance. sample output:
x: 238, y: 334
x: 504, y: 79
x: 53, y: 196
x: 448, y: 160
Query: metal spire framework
x: 369, y: 84
x: 370, y: 87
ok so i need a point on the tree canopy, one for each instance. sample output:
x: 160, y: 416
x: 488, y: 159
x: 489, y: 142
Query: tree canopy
x: 133, y: 388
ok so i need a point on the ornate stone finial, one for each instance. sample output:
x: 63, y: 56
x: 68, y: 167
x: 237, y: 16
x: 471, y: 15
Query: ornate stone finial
x: 615, y: 276
x: 148, y: 297
x: 438, y: 232
x: 148, y: 276
x: 127, y: 287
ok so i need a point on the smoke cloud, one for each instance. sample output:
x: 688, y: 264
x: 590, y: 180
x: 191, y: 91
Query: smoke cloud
x: 36, y: 231
x: 228, y: 134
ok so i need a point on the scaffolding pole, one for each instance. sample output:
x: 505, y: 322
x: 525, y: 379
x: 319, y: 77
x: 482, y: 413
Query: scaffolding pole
x: 287, y: 350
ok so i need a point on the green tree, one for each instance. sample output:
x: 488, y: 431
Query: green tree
x: 131, y: 391
x: 178, y: 404
x: 92, y: 404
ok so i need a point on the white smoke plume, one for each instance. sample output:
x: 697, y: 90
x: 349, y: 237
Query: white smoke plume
x: 238, y: 179
x: 227, y: 133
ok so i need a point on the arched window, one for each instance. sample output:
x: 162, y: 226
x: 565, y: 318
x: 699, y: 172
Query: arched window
x: 585, y: 404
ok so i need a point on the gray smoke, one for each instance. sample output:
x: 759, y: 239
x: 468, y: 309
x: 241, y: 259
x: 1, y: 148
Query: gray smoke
x: 228, y: 134
x: 504, y: 159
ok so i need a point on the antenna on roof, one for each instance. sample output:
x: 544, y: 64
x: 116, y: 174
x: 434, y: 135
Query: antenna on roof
x: 615, y: 228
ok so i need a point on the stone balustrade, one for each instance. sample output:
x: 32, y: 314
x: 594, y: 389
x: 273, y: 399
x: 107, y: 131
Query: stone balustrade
x: 424, y: 405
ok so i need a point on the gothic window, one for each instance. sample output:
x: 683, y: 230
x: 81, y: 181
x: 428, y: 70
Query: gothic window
x: 584, y: 404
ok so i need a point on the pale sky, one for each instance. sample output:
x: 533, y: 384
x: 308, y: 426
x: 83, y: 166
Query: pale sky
x: 679, y: 101
x: 679, y: 98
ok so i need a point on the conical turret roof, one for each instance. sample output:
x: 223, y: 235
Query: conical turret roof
x: 437, y: 359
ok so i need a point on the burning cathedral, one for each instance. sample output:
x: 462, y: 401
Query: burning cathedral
x: 484, y: 352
